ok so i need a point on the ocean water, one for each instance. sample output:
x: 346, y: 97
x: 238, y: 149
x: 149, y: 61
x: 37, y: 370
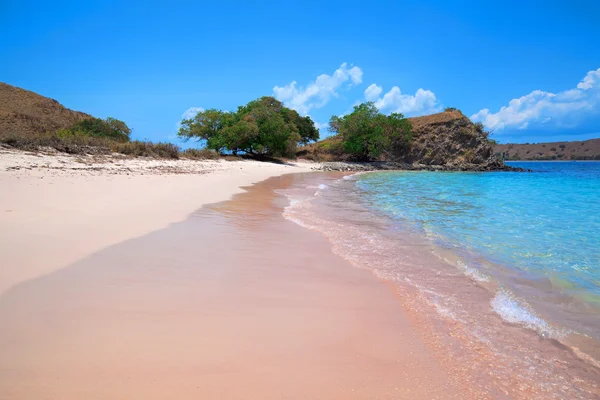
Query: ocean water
x: 536, y: 235
x: 544, y: 224
x: 502, y: 269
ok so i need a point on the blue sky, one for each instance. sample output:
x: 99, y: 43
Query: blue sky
x: 147, y: 63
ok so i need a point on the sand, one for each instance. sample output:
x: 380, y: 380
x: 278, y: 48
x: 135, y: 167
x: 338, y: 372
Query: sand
x: 118, y: 286
x: 57, y: 209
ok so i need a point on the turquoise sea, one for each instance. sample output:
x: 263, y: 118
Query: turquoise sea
x: 546, y: 222
x: 542, y: 226
x: 500, y: 270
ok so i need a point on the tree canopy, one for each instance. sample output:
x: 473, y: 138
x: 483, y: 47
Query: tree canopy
x: 261, y: 127
x: 367, y: 134
x: 109, y: 128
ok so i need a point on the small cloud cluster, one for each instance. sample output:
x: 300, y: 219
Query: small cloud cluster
x: 422, y: 102
x: 319, y: 92
x: 540, y: 109
x: 191, y: 112
x: 320, y: 126
x: 373, y: 92
x: 187, y: 114
x: 573, y: 108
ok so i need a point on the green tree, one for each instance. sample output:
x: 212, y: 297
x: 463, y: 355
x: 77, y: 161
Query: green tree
x: 367, y: 134
x: 261, y: 127
x: 305, y: 125
x: 206, y: 126
x: 110, y: 128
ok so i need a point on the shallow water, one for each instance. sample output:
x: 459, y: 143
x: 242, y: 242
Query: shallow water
x: 500, y: 269
x: 541, y: 228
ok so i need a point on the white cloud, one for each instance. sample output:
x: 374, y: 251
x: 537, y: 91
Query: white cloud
x: 373, y: 92
x: 191, y: 112
x: 592, y: 79
x: 187, y: 114
x: 541, y: 109
x: 318, y: 93
x: 321, y: 126
x: 422, y: 102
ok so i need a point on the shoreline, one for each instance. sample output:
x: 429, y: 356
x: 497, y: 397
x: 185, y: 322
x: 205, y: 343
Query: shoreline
x: 233, y: 302
x: 377, y: 166
x: 448, y: 301
x: 118, y: 285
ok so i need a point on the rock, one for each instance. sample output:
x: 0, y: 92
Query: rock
x: 398, y: 166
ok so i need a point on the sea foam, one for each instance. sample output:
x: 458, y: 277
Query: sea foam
x: 516, y: 311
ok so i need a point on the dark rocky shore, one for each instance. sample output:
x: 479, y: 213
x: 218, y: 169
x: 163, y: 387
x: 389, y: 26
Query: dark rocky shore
x: 399, y: 166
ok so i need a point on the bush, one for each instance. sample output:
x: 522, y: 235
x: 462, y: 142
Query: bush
x: 147, y: 149
x: 479, y: 127
x: 110, y: 128
x: 83, y: 144
x: 367, y: 134
x: 448, y: 109
x: 203, y: 154
x: 71, y: 144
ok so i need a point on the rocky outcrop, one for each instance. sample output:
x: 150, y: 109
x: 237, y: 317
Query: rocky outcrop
x: 452, y: 141
x: 399, y: 166
x: 446, y: 141
x: 26, y: 113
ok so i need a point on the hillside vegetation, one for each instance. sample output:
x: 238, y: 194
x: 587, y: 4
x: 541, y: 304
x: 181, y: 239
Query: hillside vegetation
x: 266, y: 128
x: 26, y: 113
x: 578, y: 150
x: 32, y: 122
x: 447, y: 139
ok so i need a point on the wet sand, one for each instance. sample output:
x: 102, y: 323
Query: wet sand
x: 235, y: 303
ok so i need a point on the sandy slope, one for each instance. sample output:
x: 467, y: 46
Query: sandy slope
x: 57, y: 209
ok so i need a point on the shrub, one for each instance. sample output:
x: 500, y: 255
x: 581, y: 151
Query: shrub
x: 479, y: 127
x: 71, y: 144
x: 79, y: 143
x: 147, y: 149
x: 448, y: 109
x: 200, y: 154
x: 109, y: 128
x: 366, y: 133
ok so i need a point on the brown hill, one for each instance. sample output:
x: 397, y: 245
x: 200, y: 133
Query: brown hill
x: 439, y: 118
x: 580, y: 150
x: 447, y: 139
x: 26, y: 113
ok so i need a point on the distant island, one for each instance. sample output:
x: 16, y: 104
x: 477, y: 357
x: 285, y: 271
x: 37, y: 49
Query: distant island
x: 576, y: 150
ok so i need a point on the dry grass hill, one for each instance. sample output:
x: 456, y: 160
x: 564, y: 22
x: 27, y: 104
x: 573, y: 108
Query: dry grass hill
x: 581, y: 150
x: 26, y: 113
